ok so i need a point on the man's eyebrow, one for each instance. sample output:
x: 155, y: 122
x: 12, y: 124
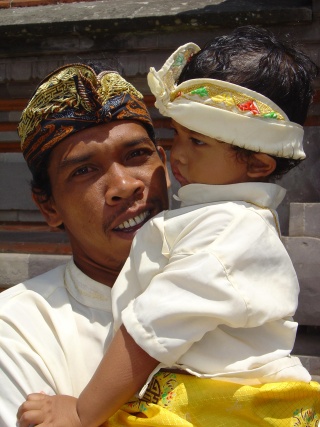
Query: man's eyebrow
x: 74, y: 160
x: 142, y: 140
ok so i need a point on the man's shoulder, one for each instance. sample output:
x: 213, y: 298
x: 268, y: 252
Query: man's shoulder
x: 43, y: 285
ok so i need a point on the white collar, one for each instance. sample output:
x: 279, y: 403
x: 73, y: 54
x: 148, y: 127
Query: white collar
x: 86, y: 290
x: 262, y: 194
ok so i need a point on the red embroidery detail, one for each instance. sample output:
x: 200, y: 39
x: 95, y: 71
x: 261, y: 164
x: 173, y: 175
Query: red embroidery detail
x: 249, y: 106
x: 190, y: 57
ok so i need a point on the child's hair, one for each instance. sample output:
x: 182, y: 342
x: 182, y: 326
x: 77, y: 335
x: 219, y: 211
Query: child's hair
x: 254, y: 58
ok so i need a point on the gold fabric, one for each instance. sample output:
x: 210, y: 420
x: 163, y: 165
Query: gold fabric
x: 73, y: 98
x: 185, y: 400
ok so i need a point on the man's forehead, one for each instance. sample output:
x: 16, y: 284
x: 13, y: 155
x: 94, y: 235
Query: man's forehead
x: 107, y: 137
x: 118, y: 132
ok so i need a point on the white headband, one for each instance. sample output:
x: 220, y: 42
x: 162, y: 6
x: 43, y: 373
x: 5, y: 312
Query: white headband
x: 224, y: 111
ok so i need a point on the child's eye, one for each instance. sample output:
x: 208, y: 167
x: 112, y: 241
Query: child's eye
x: 196, y: 141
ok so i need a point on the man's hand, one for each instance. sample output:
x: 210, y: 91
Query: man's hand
x: 48, y: 411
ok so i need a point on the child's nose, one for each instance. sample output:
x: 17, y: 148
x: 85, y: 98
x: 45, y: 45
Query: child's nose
x: 178, y: 153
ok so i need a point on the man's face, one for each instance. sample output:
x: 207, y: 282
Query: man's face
x: 107, y: 181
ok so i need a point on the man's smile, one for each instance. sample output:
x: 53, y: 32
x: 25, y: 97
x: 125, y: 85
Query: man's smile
x: 132, y: 222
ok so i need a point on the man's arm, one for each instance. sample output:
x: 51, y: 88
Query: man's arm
x: 21, y: 371
x: 39, y: 349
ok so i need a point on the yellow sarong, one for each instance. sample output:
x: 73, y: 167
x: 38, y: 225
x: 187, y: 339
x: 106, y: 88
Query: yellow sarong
x: 184, y: 400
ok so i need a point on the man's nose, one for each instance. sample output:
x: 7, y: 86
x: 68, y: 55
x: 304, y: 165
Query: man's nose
x: 122, y: 184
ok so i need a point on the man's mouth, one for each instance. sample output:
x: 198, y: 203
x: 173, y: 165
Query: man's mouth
x: 133, y: 222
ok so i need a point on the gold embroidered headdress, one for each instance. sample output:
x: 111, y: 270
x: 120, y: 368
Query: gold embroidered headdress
x: 224, y: 111
x: 73, y: 98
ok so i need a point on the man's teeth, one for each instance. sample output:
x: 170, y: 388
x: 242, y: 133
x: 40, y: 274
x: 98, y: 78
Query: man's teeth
x: 133, y: 221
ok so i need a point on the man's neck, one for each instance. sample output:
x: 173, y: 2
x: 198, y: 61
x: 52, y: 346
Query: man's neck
x: 97, y: 272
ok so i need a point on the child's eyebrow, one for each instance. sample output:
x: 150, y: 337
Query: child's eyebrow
x: 197, y: 135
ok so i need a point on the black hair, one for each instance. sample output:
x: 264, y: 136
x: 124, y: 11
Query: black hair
x: 253, y: 57
x: 40, y: 183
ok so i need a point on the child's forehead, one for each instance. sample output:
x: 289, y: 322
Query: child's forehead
x: 192, y: 133
x: 184, y: 128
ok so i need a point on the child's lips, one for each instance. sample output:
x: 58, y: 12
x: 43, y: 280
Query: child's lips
x: 182, y: 181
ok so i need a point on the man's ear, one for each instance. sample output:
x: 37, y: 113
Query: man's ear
x: 260, y: 165
x: 163, y: 157
x: 48, y: 210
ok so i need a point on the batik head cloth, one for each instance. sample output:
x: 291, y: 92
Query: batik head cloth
x: 74, y: 98
x: 224, y: 111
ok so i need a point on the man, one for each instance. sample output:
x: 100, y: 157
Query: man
x: 89, y: 143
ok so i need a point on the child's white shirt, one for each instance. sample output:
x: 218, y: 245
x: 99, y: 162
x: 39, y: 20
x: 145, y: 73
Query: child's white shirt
x: 209, y: 288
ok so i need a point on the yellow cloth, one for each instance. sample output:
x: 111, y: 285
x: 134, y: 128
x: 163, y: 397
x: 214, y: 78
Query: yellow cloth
x: 184, y: 400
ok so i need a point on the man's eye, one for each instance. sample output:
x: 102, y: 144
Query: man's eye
x: 82, y: 171
x: 139, y: 153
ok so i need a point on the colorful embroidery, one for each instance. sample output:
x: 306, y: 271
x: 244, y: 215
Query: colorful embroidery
x: 249, y: 106
x: 180, y: 59
x: 173, y: 73
x: 230, y: 100
x: 186, y: 400
x: 224, y: 98
x: 271, y: 115
x: 201, y: 91
x: 305, y: 418
x: 161, y: 392
x: 213, y: 94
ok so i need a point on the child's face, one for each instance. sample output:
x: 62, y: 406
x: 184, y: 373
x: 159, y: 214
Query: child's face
x: 197, y: 158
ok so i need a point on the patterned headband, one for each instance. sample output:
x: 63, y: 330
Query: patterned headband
x: 224, y: 111
x: 74, y: 98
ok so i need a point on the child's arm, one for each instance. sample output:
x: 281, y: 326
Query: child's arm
x: 121, y: 373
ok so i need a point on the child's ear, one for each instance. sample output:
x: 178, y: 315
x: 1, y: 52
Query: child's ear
x: 48, y: 210
x: 260, y: 165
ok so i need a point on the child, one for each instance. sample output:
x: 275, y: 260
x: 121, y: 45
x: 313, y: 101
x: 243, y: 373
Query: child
x: 205, y: 300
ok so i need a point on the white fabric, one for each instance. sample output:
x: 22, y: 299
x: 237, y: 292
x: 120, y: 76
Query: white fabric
x: 281, y: 138
x: 212, y: 289
x: 53, y: 332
